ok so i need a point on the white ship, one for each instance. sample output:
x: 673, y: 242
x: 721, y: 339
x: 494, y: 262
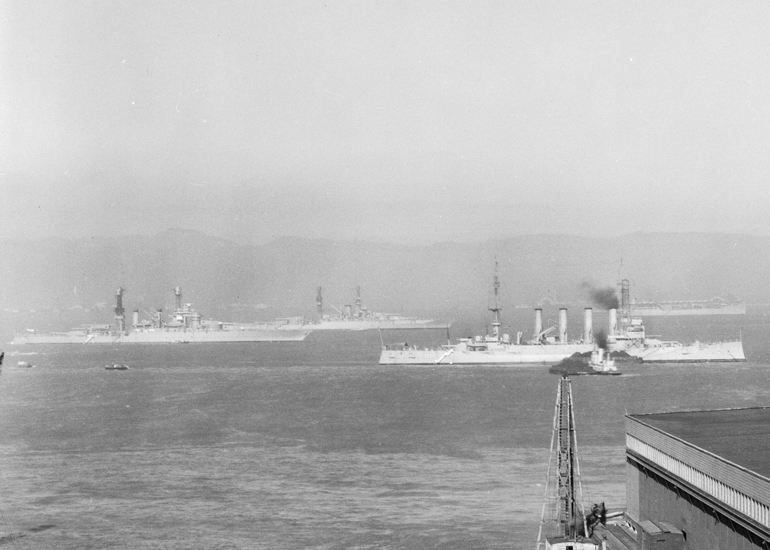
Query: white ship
x: 184, y: 326
x: 631, y: 338
x: 629, y: 335
x: 498, y: 349
x: 482, y: 351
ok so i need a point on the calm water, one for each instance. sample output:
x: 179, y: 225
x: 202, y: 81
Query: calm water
x: 310, y: 445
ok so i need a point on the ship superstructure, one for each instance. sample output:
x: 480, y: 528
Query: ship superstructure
x: 357, y: 316
x: 184, y: 325
x: 542, y: 349
x: 551, y: 345
x: 547, y: 346
x: 628, y: 334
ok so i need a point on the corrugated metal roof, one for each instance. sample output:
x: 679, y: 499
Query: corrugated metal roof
x: 741, y: 436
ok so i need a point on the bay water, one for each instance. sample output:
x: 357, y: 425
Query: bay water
x: 311, y: 444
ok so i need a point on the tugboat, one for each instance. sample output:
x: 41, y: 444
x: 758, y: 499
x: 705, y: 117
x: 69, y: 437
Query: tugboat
x: 598, y: 362
x: 602, y: 363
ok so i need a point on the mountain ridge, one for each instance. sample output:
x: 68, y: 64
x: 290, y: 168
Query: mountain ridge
x: 226, y: 279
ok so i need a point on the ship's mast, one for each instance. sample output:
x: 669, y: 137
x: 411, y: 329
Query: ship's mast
x: 359, y: 303
x: 496, y: 309
x: 120, y: 318
x: 178, y: 295
x: 625, y: 298
x: 319, y: 303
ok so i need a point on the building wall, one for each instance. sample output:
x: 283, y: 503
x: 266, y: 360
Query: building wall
x: 632, y: 492
x: 741, y: 494
x: 711, y: 472
x: 651, y: 497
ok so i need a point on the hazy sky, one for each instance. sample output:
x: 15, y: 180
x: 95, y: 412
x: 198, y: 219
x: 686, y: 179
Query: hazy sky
x: 410, y: 122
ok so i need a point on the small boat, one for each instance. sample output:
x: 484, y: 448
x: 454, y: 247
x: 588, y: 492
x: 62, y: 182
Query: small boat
x: 602, y: 363
x: 116, y: 366
x: 24, y: 365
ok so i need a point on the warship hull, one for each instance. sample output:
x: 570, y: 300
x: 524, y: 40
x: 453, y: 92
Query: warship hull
x: 498, y: 354
x: 161, y: 336
x: 549, y: 354
x: 717, y: 352
x: 717, y: 306
x: 184, y: 326
x: 359, y: 317
x: 373, y: 324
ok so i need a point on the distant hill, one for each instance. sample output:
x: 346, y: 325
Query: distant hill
x: 232, y: 281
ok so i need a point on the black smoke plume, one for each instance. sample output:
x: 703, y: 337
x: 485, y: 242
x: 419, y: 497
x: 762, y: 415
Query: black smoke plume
x: 605, y: 297
x: 601, y: 339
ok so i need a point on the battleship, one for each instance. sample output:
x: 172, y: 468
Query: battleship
x: 494, y: 349
x: 629, y: 335
x: 544, y: 348
x: 625, y: 335
x: 357, y: 317
x: 183, y: 326
x: 715, y: 306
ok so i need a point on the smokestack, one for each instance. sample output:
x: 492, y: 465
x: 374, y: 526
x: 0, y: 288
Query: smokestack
x: 159, y: 318
x: 563, y: 325
x: 358, y: 301
x: 136, y: 317
x: 347, y: 311
x: 613, y: 322
x: 178, y: 294
x: 588, y: 322
x: 319, y: 302
x: 538, y: 321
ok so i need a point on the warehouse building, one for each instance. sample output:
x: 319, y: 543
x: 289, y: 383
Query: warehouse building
x: 697, y: 480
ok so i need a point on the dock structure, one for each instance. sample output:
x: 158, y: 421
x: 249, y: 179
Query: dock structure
x: 703, y: 476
